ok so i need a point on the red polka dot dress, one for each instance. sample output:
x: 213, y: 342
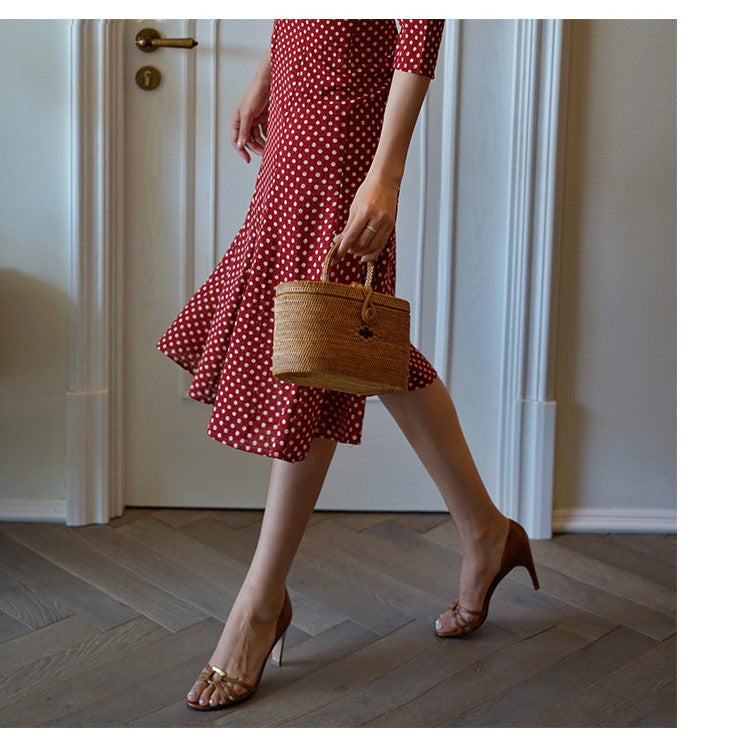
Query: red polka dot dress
x: 329, y: 84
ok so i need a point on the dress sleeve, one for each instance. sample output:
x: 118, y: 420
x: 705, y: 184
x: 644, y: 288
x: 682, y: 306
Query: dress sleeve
x: 417, y: 46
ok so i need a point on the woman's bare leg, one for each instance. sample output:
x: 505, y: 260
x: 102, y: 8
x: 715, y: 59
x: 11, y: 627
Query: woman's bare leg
x: 429, y: 421
x: 293, y: 491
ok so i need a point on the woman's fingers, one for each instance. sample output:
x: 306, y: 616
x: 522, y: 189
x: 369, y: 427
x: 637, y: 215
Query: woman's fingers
x: 257, y: 138
x: 361, y: 242
x: 239, y: 134
x: 357, y: 239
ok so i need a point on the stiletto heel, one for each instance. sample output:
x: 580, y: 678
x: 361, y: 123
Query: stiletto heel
x: 222, y: 682
x: 530, y: 566
x: 516, y: 553
x: 277, y: 651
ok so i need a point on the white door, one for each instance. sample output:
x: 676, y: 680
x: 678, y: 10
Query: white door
x: 186, y: 194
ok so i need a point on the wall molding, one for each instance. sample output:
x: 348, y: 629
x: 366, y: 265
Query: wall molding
x: 33, y: 509
x: 528, y: 411
x: 605, y: 520
x: 615, y: 520
x: 448, y: 178
x: 93, y: 404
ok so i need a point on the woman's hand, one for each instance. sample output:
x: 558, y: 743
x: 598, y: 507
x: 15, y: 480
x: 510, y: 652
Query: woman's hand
x: 374, y: 205
x: 249, y: 123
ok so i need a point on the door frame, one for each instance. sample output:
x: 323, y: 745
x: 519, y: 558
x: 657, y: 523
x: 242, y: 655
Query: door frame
x: 94, y: 413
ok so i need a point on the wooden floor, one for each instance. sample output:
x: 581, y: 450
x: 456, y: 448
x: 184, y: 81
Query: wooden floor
x: 109, y: 626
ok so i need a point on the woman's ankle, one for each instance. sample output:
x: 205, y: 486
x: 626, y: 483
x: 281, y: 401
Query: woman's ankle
x: 263, y: 604
x: 485, y: 530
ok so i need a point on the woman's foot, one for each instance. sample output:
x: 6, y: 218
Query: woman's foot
x: 481, y: 560
x: 244, y: 643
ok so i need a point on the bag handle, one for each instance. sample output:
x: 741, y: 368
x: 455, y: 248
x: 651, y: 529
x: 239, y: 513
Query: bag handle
x: 368, y: 311
x: 331, y: 252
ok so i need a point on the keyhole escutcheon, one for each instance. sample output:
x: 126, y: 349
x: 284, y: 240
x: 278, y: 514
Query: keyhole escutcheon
x: 148, y: 77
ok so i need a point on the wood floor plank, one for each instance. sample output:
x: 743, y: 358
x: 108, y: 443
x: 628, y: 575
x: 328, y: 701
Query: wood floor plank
x: 158, y: 700
x: 237, y: 518
x: 19, y: 686
x: 605, y: 547
x: 356, y: 521
x: 185, y: 549
x: 605, y: 604
x: 344, y: 596
x: 130, y: 514
x: 567, y: 677
x: 606, y: 577
x: 132, y: 669
x: 617, y: 698
x: 485, y: 679
x: 239, y: 544
x: 655, y: 545
x: 44, y: 642
x: 311, y: 615
x: 345, y: 584
x: 299, y: 662
x: 10, y: 628
x: 63, y: 590
x: 390, y: 547
x: 215, y: 548
x: 61, y: 546
x: 406, y: 680
x: 659, y: 709
x: 647, y: 680
x: 26, y: 605
x: 446, y: 534
x: 420, y: 522
x: 193, y: 584
x: 331, y: 683
x: 176, y: 517
x: 158, y: 694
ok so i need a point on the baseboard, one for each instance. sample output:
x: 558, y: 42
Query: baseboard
x: 32, y: 510
x: 615, y: 520
x: 609, y: 520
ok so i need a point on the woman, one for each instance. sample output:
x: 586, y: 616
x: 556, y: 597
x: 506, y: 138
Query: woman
x: 331, y: 109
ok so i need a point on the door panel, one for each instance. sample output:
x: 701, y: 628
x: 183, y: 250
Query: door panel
x: 187, y: 193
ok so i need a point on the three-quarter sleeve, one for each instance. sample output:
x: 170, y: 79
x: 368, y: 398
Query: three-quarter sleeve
x: 417, y: 46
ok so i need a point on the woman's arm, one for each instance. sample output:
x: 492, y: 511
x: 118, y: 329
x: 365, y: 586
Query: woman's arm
x: 252, y: 112
x: 375, y: 202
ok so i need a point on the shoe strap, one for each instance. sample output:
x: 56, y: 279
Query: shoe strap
x: 218, y: 675
x: 459, y: 612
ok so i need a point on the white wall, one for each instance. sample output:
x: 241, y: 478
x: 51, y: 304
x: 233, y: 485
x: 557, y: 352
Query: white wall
x: 616, y: 364
x: 34, y: 256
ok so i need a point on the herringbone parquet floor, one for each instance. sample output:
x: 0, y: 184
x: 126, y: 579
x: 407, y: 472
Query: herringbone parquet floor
x: 109, y: 626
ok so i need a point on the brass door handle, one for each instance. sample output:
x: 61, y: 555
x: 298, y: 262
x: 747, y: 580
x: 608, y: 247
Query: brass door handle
x: 149, y: 40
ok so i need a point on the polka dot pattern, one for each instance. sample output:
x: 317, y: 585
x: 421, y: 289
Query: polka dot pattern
x: 329, y: 84
x: 418, y: 45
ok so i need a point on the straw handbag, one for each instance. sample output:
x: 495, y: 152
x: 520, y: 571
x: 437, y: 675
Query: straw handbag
x: 338, y: 336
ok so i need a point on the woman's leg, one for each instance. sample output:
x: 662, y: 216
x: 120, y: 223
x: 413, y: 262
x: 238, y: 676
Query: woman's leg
x: 429, y: 421
x: 248, y: 635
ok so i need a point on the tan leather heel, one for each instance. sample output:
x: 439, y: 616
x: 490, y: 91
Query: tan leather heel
x: 276, y: 654
x: 517, y: 553
x: 223, y: 682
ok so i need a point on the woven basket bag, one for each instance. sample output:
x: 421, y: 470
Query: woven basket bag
x: 337, y: 336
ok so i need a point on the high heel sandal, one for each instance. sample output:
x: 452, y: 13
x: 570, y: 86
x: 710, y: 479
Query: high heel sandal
x: 222, y: 682
x: 516, y: 554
